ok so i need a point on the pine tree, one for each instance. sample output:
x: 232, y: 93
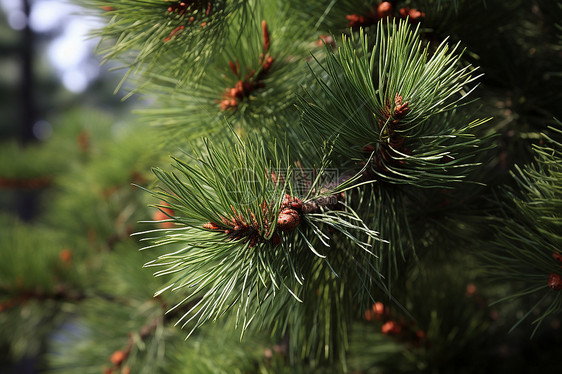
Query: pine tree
x: 334, y: 186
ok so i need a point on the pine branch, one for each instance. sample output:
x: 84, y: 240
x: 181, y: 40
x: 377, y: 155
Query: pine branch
x: 251, y: 84
x: 528, y: 244
x: 395, y: 102
x: 243, y: 237
x: 165, y: 34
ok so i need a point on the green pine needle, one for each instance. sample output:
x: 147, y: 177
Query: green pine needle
x: 397, y: 101
x: 528, y: 241
x: 227, y: 252
x: 163, y: 35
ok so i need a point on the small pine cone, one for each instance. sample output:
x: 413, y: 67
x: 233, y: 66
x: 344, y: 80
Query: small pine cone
x: 233, y: 67
x: 379, y: 310
x: 290, y: 202
x: 265, y: 33
x: 355, y: 20
x: 384, y: 9
x: 555, y: 282
x: 65, y: 256
x: 326, y: 39
x: 288, y: 220
x: 390, y: 328
x: 400, y: 109
x: 268, y: 63
x: 296, y: 204
x: 117, y: 357
x: 415, y: 15
x: 211, y: 226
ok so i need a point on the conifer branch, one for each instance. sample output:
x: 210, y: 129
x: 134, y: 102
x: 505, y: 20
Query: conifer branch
x: 251, y: 84
x: 527, y: 247
x: 396, y: 102
x: 165, y: 34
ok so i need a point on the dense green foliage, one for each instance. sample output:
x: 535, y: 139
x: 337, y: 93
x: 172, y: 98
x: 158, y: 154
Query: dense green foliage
x: 355, y: 186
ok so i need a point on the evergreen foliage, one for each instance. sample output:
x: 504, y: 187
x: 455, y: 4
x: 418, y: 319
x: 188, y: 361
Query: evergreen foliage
x: 528, y: 240
x: 337, y: 201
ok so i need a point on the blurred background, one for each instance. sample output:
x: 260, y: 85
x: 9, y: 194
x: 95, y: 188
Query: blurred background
x: 57, y: 105
x: 49, y: 72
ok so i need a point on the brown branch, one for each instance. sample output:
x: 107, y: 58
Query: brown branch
x: 61, y: 294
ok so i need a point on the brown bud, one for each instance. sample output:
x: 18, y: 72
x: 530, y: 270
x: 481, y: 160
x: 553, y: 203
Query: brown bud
x: 265, y: 33
x: 400, y: 109
x: 379, y: 310
x: 211, y: 226
x: 117, y: 357
x: 239, y: 86
x: 415, y: 15
x: 384, y: 9
x: 326, y: 39
x: 233, y: 67
x: 66, y: 256
x: 288, y: 220
x: 390, y: 328
x: 268, y: 63
x: 555, y: 282
x: 355, y: 20
x: 173, y: 33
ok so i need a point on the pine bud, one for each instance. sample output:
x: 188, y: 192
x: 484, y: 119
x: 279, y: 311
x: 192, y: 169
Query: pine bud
x: 211, y: 226
x: 378, y: 309
x: 173, y: 33
x: 265, y: 33
x: 117, y: 357
x: 415, y: 15
x: 384, y: 9
x: 390, y: 328
x: 555, y: 282
x: 355, y: 20
x: 288, y: 220
x: 233, y: 67
x: 66, y: 256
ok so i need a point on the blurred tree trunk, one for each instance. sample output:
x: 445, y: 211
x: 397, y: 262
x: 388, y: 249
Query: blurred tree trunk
x: 27, y: 200
x: 27, y: 97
